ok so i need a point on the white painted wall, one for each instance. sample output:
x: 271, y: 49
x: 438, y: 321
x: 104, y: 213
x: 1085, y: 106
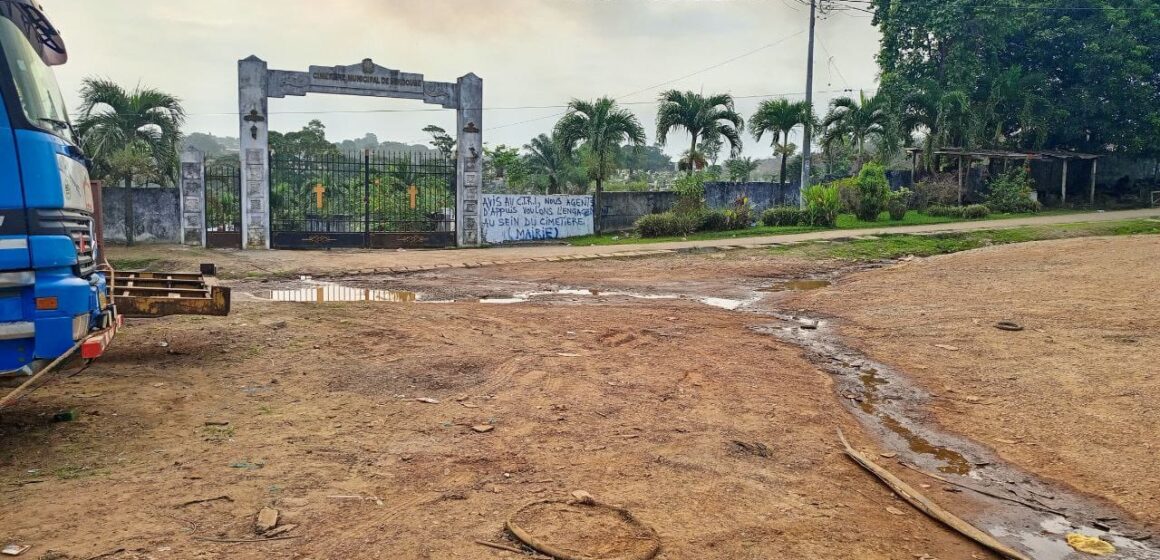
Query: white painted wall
x: 531, y: 217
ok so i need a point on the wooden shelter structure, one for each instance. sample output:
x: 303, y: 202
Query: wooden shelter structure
x: 965, y: 157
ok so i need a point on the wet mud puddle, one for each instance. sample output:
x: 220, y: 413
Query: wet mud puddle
x: 318, y: 291
x: 1029, y: 513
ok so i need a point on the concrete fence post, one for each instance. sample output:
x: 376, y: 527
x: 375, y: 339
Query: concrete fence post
x: 191, y: 197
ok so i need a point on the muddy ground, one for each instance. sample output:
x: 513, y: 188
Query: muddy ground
x: 1073, y: 396
x: 716, y: 433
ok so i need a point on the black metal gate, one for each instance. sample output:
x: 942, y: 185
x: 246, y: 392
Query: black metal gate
x: 365, y: 199
x: 223, y: 206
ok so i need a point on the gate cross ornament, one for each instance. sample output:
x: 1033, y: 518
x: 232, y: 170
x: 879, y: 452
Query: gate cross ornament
x: 318, y: 190
x: 254, y: 118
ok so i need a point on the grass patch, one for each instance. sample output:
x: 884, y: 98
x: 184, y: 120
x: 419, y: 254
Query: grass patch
x: 74, y: 472
x: 217, y: 434
x: 131, y: 264
x: 845, y: 221
x: 891, y: 246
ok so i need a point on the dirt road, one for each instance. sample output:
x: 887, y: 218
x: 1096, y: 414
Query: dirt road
x: 631, y: 386
x: 265, y: 263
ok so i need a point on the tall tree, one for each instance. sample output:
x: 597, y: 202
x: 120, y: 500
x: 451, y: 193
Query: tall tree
x: 710, y: 146
x: 547, y: 161
x: 647, y: 158
x: 602, y: 127
x: 129, y: 133
x: 441, y: 140
x: 740, y: 169
x: 858, y: 120
x: 308, y: 143
x: 504, y: 162
x: 779, y: 117
x: 1035, y: 73
x: 700, y: 116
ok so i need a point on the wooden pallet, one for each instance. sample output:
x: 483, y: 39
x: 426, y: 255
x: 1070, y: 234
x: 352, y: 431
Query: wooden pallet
x: 157, y: 294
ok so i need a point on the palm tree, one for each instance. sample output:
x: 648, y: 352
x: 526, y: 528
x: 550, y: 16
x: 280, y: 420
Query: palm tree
x: 858, y: 120
x: 547, y: 159
x: 118, y: 126
x: 692, y: 161
x: 700, y: 116
x: 601, y: 126
x: 830, y: 139
x: 779, y: 117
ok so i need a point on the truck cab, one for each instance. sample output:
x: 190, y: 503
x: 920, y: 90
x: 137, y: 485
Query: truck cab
x: 52, y: 297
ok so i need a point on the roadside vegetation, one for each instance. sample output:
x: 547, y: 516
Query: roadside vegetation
x: 892, y: 246
x: 845, y: 222
x: 863, y: 201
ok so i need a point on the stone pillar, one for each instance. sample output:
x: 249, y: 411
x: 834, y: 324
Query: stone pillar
x: 192, y: 197
x: 253, y: 77
x: 469, y: 159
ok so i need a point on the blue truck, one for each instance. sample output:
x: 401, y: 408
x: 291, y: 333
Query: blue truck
x: 53, y: 299
x: 59, y: 298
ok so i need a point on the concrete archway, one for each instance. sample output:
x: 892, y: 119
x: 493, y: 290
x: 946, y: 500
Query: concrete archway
x: 257, y: 83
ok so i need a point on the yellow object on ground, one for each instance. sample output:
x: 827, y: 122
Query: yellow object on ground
x: 1090, y: 545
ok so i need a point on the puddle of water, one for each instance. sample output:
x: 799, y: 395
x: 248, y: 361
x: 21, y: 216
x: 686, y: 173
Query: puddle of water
x: 953, y: 461
x: 1048, y: 541
x: 800, y: 285
x: 324, y: 293
x: 502, y: 300
x: 730, y: 304
x: 524, y: 297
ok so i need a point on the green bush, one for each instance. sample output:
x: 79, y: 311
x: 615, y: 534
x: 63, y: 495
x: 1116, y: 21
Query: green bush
x: 943, y: 211
x: 690, y: 191
x: 976, y: 211
x: 822, y: 205
x: 872, y: 189
x: 741, y: 214
x: 848, y: 193
x: 713, y: 220
x: 667, y: 224
x: 1011, y: 192
x: 784, y: 216
x: 897, y: 203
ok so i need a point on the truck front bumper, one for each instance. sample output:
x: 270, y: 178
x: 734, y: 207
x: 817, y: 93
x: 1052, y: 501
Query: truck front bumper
x: 95, y: 344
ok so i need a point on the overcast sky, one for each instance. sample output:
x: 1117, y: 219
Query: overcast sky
x: 530, y: 53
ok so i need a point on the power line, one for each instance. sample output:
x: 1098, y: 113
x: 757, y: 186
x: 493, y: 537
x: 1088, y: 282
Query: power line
x: 667, y: 82
x: 715, y: 66
x: 832, y: 62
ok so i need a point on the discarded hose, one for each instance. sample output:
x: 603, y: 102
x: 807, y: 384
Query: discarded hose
x: 551, y: 550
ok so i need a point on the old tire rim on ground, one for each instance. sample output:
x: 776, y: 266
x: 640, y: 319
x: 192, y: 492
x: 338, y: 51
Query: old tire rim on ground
x: 573, y: 530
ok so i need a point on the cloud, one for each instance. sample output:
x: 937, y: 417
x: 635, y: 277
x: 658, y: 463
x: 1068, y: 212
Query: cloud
x: 529, y: 52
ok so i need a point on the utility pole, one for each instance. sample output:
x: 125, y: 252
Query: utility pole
x: 807, y: 151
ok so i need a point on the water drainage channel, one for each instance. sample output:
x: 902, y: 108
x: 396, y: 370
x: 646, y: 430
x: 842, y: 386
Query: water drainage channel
x: 885, y: 402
